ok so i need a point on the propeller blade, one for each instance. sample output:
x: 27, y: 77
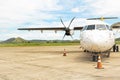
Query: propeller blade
x: 67, y: 29
x: 71, y: 36
x: 63, y: 36
x: 102, y: 18
x: 71, y: 22
x: 110, y: 17
x: 62, y: 22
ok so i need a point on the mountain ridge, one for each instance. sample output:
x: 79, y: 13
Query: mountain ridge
x: 15, y: 40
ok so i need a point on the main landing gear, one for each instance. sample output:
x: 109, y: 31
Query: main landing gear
x: 115, y: 48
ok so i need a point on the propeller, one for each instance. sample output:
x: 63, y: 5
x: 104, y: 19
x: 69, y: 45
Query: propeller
x: 67, y: 28
x: 102, y: 18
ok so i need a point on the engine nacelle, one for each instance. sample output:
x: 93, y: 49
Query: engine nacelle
x: 69, y: 32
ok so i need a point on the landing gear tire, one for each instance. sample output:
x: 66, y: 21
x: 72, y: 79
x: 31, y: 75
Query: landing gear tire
x: 95, y: 58
x: 115, y: 48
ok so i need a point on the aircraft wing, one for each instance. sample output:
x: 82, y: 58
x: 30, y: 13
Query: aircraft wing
x: 58, y: 28
x: 50, y: 28
x: 78, y: 28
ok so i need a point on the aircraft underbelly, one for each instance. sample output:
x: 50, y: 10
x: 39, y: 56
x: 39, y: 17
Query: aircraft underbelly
x: 97, y: 40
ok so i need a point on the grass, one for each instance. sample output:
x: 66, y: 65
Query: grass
x: 117, y: 42
x: 42, y: 44
x: 38, y: 44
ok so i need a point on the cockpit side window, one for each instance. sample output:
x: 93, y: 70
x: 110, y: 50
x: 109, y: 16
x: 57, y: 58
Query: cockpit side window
x: 84, y: 28
x: 91, y: 27
x: 108, y: 27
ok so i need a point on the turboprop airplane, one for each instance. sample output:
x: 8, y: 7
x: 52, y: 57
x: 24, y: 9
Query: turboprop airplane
x: 96, y: 38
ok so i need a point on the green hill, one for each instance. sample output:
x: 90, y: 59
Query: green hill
x: 15, y: 40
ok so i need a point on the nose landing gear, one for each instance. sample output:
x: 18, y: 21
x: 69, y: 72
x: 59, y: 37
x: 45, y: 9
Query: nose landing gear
x: 95, y: 58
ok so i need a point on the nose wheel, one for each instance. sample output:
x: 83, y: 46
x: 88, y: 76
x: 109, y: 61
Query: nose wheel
x: 95, y: 58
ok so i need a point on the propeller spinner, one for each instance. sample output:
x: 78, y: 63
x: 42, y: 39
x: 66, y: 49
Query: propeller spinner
x: 67, y: 28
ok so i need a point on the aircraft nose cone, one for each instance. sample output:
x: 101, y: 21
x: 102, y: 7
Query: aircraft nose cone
x: 101, y: 42
x: 98, y: 41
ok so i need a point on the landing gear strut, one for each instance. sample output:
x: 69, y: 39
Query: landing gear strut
x: 108, y: 54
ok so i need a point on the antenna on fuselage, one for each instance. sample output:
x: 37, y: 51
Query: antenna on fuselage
x: 102, y: 18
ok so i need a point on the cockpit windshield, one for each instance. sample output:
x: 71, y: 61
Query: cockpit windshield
x: 97, y: 27
x: 101, y: 27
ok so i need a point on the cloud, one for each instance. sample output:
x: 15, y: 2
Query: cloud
x: 103, y: 7
x: 75, y: 9
x: 17, y: 12
x: 26, y: 13
x: 97, y: 8
x: 46, y: 13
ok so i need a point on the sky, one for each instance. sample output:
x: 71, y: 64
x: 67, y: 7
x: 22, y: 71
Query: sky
x: 16, y: 14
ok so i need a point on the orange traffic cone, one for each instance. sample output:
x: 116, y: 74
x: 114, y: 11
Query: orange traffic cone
x: 64, y: 54
x: 99, y: 63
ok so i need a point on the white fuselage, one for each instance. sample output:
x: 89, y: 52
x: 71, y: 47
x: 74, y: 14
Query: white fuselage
x: 97, y: 40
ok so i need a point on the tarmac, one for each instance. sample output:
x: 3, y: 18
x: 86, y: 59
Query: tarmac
x: 48, y: 63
